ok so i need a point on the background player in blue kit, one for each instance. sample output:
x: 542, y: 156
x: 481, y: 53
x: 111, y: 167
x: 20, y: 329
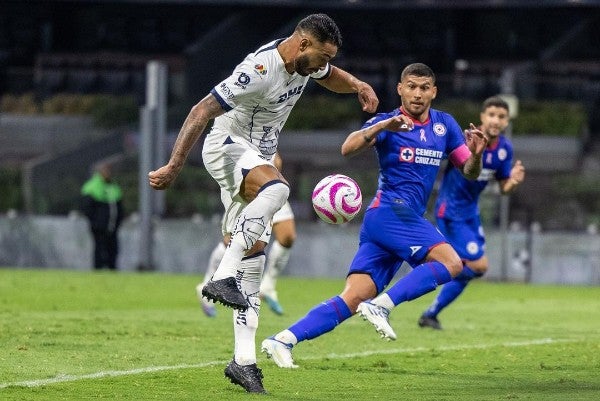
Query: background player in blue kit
x: 250, y: 109
x: 410, y: 142
x: 457, y: 210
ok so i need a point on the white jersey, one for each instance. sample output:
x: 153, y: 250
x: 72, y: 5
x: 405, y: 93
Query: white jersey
x: 258, y: 97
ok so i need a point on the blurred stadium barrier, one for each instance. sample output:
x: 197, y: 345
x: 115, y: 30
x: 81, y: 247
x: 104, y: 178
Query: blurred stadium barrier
x: 184, y: 246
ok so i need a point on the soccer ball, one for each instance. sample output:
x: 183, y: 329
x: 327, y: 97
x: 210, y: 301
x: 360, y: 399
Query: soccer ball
x: 336, y: 199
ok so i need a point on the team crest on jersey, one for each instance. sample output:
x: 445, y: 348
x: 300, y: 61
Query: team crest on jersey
x: 502, y: 154
x: 407, y: 154
x: 439, y: 129
x: 260, y: 69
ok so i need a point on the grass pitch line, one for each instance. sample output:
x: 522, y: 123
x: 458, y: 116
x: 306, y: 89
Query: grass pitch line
x: 151, y: 369
x: 541, y: 341
x: 107, y: 373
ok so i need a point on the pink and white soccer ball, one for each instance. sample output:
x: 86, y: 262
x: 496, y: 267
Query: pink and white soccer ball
x: 337, y: 199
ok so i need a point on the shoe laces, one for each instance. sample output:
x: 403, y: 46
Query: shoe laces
x: 254, y: 371
x: 379, y: 311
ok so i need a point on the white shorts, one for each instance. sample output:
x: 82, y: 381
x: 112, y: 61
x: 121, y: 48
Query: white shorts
x: 227, y: 162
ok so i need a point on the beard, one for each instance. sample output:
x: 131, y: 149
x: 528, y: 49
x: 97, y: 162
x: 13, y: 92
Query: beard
x: 301, y: 66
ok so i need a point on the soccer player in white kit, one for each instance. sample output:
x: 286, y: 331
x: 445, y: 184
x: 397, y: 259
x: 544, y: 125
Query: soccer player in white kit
x: 250, y: 108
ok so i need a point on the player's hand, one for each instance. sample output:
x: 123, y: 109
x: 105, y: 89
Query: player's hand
x: 367, y: 98
x: 162, y: 177
x: 476, y: 139
x: 517, y: 173
x: 400, y: 123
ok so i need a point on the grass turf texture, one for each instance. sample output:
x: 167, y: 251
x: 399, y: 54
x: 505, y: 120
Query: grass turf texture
x: 68, y: 335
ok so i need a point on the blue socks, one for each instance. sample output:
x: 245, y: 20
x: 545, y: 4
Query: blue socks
x: 451, y: 291
x: 321, y: 319
x: 421, y: 280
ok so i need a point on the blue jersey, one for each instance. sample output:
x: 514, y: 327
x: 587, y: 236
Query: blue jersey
x: 394, y: 229
x: 409, y: 161
x: 458, y: 196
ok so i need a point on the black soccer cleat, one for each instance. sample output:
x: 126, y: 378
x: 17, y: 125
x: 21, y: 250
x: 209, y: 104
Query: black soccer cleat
x: 226, y: 292
x: 427, y: 321
x: 248, y: 376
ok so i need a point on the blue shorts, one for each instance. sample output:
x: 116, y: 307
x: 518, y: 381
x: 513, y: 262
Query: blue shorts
x: 392, y: 234
x: 465, y: 236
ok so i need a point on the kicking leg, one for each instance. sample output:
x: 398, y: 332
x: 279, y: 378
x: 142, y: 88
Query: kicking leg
x: 249, y: 226
x: 442, y: 262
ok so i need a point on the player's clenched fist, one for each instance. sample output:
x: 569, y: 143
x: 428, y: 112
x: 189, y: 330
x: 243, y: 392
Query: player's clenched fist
x: 162, y: 178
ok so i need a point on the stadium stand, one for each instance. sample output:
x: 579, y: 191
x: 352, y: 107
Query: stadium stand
x: 103, y: 46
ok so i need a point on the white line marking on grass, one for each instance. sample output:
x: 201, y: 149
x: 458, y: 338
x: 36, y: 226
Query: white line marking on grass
x: 151, y: 369
x: 541, y: 341
x: 107, y: 373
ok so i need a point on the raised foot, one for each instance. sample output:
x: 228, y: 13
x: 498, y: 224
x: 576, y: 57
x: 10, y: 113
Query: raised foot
x: 226, y: 292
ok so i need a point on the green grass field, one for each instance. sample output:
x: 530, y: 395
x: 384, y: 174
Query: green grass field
x: 68, y: 335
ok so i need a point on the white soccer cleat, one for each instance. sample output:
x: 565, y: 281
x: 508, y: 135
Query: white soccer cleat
x: 281, y: 353
x: 378, y: 317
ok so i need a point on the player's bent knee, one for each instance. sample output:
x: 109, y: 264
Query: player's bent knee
x: 257, y: 248
x: 287, y: 241
x: 276, y: 190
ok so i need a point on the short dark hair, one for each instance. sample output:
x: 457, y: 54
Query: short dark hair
x: 417, y: 69
x: 494, y: 101
x: 322, y: 27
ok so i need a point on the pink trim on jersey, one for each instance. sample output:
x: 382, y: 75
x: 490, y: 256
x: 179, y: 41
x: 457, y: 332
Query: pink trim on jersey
x: 417, y: 122
x: 434, y: 245
x: 376, y: 201
x: 460, y: 155
x: 442, y: 210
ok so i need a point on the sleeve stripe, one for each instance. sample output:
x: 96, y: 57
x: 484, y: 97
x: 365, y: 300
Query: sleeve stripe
x: 327, y: 74
x: 221, y: 101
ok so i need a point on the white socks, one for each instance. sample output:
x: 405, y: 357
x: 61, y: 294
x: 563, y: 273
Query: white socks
x: 384, y: 300
x: 276, y: 262
x: 286, y: 337
x: 245, y: 323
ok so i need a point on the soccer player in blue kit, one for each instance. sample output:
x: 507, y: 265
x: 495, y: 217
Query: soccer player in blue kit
x: 410, y: 141
x: 457, y: 211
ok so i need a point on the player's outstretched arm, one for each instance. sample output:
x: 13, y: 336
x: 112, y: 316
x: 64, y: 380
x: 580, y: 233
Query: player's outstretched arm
x: 362, y: 139
x: 193, y: 127
x: 340, y: 81
x: 476, y: 142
